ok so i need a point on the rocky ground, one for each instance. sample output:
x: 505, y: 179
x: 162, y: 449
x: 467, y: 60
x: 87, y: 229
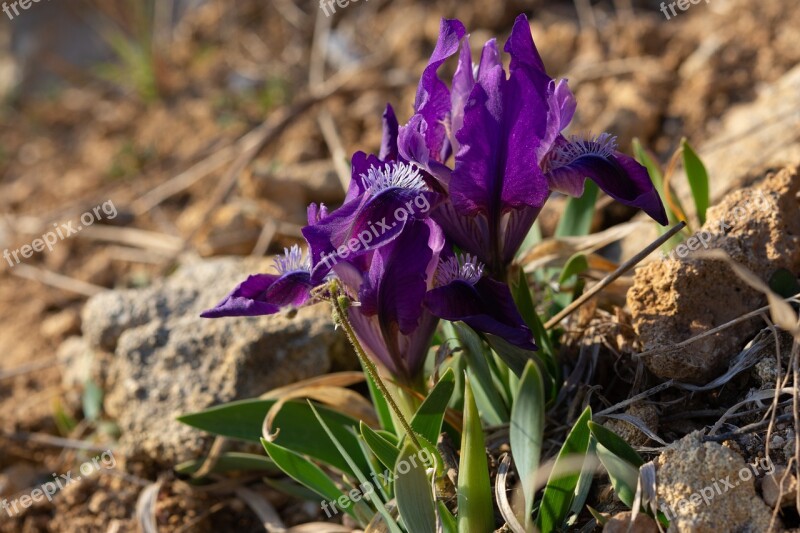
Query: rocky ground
x: 114, y: 309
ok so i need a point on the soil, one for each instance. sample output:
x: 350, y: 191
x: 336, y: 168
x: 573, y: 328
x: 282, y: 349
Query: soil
x: 133, y: 113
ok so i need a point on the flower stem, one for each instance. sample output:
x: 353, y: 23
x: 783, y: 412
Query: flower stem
x: 369, y: 366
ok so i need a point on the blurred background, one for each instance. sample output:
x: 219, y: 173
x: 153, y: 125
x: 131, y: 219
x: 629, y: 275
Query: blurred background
x: 210, y: 125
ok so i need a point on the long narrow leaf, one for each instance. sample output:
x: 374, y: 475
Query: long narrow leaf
x: 427, y: 421
x: 413, y: 491
x: 698, y: 179
x: 560, y: 489
x: 527, y: 433
x: 475, y: 509
x: 311, y: 476
x: 299, y: 431
x: 368, y: 486
x: 577, y: 218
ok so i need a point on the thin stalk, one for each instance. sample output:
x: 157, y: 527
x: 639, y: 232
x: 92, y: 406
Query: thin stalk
x: 370, y: 367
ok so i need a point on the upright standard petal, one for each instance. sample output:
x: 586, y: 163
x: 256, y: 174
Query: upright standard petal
x: 618, y: 175
x: 388, y: 150
x: 390, y: 319
x: 433, y: 96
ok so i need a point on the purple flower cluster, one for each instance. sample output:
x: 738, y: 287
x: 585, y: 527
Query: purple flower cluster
x: 482, y: 156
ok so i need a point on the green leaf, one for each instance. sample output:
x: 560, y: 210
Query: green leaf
x: 698, y: 179
x: 386, y: 452
x: 652, y: 167
x: 576, y: 265
x: 446, y: 518
x: 527, y: 433
x: 475, y: 508
x: 368, y: 486
x: 92, y: 400
x: 585, y: 479
x: 413, y: 491
x: 299, y: 430
x: 493, y: 407
x: 624, y: 476
x: 577, y: 218
x: 231, y: 462
x: 513, y: 356
x: 309, y: 475
x: 561, y: 485
x: 524, y: 300
x: 427, y: 421
x: 615, y: 444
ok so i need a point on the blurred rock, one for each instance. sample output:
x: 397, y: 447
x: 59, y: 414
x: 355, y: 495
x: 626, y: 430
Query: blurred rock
x: 708, y: 488
x: 621, y: 523
x: 61, y: 324
x: 168, y: 361
x: 779, y: 488
x: 683, y: 295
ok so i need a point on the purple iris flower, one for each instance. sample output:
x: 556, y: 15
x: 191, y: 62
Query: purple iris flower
x: 505, y: 131
x: 266, y: 294
x: 383, y: 196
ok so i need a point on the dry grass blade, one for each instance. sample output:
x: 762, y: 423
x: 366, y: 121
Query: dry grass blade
x: 146, y: 508
x: 28, y: 368
x: 342, y: 400
x: 556, y: 251
x: 216, y: 451
x: 65, y: 283
x: 321, y: 527
x: 623, y: 268
x: 501, y: 497
x: 757, y: 396
x: 338, y: 379
x: 138, y: 238
x: 266, y: 512
x: 639, y: 424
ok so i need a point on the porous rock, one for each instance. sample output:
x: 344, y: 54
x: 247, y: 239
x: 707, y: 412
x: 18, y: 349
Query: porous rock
x: 167, y: 361
x: 684, y: 294
x: 708, y: 488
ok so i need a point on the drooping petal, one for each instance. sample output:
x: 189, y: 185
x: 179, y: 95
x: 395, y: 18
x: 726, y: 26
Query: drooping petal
x: 618, y: 175
x: 486, y: 306
x: 395, y: 194
x: 264, y: 294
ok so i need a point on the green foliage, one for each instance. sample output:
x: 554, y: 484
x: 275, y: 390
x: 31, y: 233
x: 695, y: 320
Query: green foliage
x: 697, y: 176
x: 527, y: 433
x: 563, y: 481
x: 475, y: 509
x: 577, y: 217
